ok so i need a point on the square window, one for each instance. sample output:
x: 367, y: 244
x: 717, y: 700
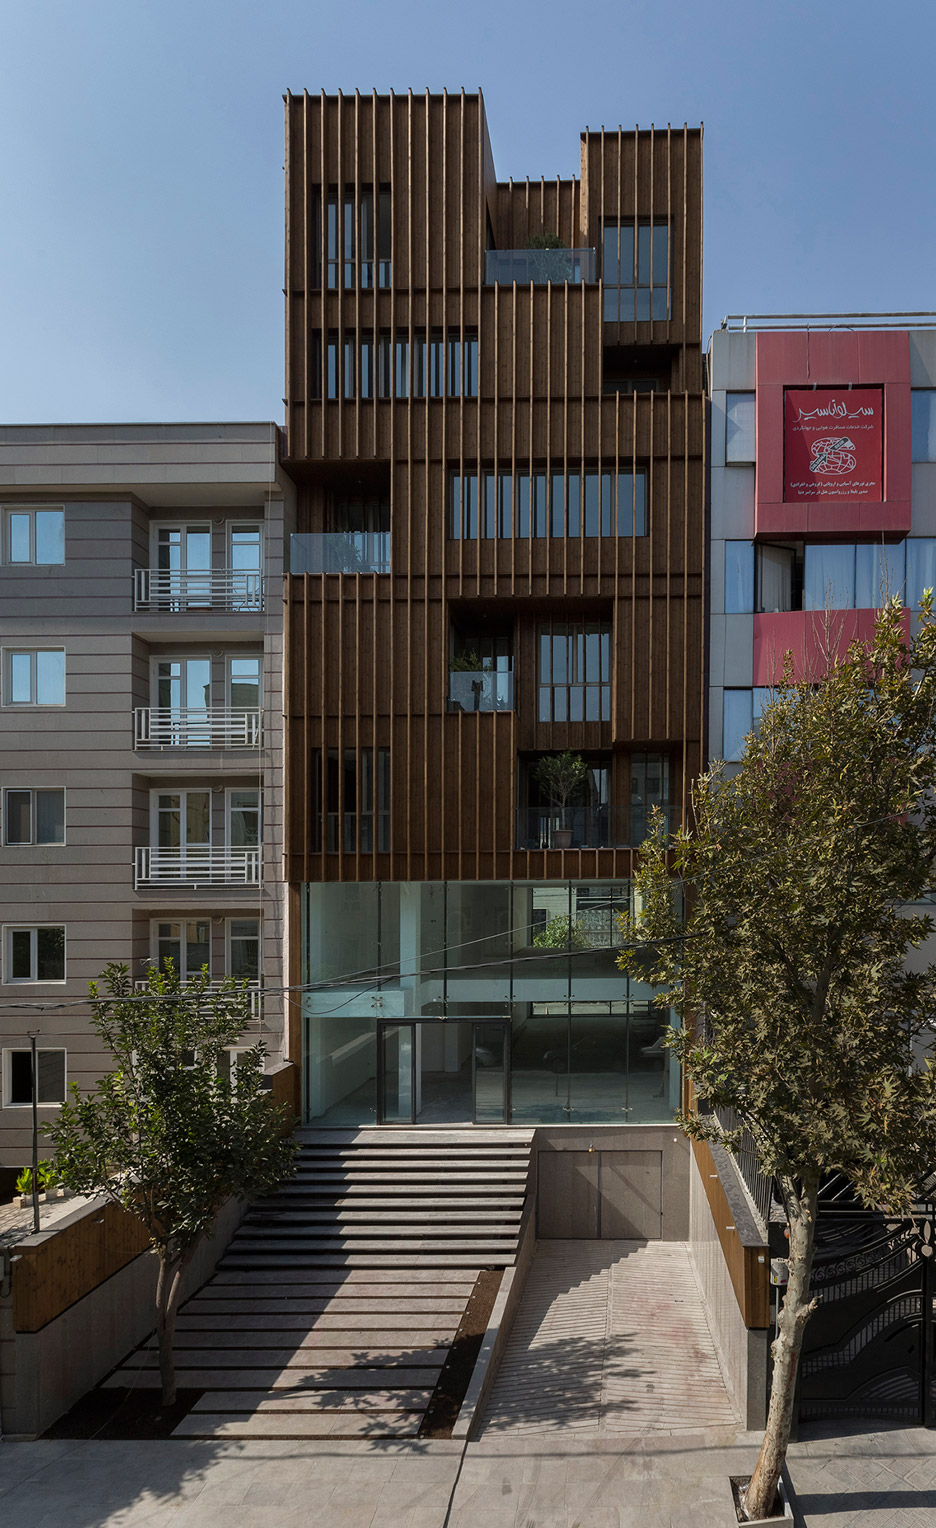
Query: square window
x: 34, y: 676
x: 35, y: 536
x: 35, y: 954
x: 33, y: 816
x: 17, y: 1077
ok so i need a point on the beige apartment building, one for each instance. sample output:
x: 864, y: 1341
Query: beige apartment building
x: 140, y: 729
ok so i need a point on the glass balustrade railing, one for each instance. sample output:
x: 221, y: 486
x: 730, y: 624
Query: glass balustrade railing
x: 340, y: 552
x: 481, y: 690
x: 539, y: 266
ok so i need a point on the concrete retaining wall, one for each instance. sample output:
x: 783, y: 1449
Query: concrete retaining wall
x: 743, y: 1351
x: 44, y: 1373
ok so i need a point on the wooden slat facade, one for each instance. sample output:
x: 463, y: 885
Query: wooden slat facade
x: 367, y: 655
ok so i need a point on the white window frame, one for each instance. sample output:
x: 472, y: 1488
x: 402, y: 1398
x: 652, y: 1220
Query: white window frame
x: 182, y: 791
x: 31, y: 510
x: 31, y: 981
x: 231, y: 655
x: 7, y: 653
x: 10, y: 1050
x: 184, y: 526
x: 229, y: 794
x: 242, y: 918
x: 33, y: 842
x: 245, y: 525
x: 177, y: 657
x: 154, y: 943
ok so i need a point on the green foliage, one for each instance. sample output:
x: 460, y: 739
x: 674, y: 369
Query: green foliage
x: 166, y: 1135
x: 546, y: 241
x: 562, y: 777
x: 801, y: 866
x: 791, y: 973
x: 46, y: 1178
x: 560, y: 934
x: 468, y: 662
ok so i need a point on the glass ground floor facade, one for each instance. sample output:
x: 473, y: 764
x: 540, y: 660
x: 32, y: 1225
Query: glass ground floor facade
x: 477, y: 1002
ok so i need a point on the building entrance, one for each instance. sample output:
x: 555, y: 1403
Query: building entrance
x: 433, y: 1072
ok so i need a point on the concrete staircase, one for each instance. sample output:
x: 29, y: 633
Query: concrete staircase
x: 334, y: 1308
x: 389, y: 1198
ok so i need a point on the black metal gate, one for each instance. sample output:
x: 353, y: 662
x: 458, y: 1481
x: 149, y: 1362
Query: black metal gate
x: 868, y: 1349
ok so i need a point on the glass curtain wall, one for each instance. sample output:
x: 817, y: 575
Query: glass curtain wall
x: 511, y: 995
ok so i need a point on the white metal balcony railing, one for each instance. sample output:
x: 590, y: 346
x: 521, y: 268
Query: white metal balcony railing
x: 254, y: 993
x: 191, y: 727
x: 175, y: 589
x: 196, y: 867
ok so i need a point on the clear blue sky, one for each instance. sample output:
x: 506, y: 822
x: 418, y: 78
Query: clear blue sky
x: 141, y: 189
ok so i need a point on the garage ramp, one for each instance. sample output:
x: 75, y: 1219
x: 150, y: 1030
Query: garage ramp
x: 609, y: 1337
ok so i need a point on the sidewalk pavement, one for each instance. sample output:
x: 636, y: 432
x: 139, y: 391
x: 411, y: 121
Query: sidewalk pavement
x: 885, y: 1478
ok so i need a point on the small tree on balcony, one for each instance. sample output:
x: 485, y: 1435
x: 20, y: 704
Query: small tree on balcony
x: 169, y: 1135
x: 561, y: 777
x: 815, y: 1032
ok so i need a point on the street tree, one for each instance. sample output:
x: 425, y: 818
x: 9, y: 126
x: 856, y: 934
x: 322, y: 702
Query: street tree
x: 171, y: 1133
x: 796, y: 1008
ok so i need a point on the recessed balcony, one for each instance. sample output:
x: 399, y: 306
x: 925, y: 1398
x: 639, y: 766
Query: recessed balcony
x: 194, y: 727
x: 177, y: 590
x: 587, y: 826
x: 503, y: 267
x: 340, y: 552
x: 196, y: 866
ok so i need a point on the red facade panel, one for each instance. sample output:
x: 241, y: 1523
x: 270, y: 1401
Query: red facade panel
x: 833, y: 434
x: 813, y: 637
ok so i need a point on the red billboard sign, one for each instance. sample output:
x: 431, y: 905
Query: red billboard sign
x: 832, y: 444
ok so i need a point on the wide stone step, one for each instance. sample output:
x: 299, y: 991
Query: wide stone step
x: 273, y: 1379
x: 426, y: 1329
x: 375, y: 1296
x: 249, y: 1401
x: 400, y: 1239
x: 257, y: 1220
x: 388, y: 1309
x: 434, y: 1260
x: 352, y: 1278
x: 311, y: 1350
x: 296, y: 1200
x: 471, y: 1178
x: 297, y: 1427
x: 370, y: 1225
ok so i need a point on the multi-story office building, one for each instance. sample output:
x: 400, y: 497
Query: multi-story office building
x: 140, y: 728
x: 823, y: 495
x: 496, y: 427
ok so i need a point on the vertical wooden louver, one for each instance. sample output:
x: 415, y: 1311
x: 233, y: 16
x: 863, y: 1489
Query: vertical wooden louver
x: 368, y: 652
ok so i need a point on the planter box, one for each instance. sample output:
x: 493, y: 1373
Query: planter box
x: 738, y: 1484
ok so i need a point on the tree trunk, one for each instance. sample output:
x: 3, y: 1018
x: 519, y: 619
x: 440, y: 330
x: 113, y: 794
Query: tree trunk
x: 172, y: 1270
x: 165, y: 1329
x: 800, y: 1202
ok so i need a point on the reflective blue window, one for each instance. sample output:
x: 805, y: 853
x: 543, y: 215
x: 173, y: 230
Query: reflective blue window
x: 880, y: 573
x: 923, y: 423
x: 739, y: 577
x: 829, y: 579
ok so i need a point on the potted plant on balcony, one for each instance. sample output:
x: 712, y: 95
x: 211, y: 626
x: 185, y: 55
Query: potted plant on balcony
x: 543, y: 266
x: 561, y: 777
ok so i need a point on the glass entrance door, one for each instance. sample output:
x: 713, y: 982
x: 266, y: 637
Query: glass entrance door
x: 491, y: 1071
x: 396, y: 1074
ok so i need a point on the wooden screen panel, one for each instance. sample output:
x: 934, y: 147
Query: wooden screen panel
x: 368, y: 654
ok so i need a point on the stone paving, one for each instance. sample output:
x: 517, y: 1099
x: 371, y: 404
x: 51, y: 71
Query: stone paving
x: 873, y: 1479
